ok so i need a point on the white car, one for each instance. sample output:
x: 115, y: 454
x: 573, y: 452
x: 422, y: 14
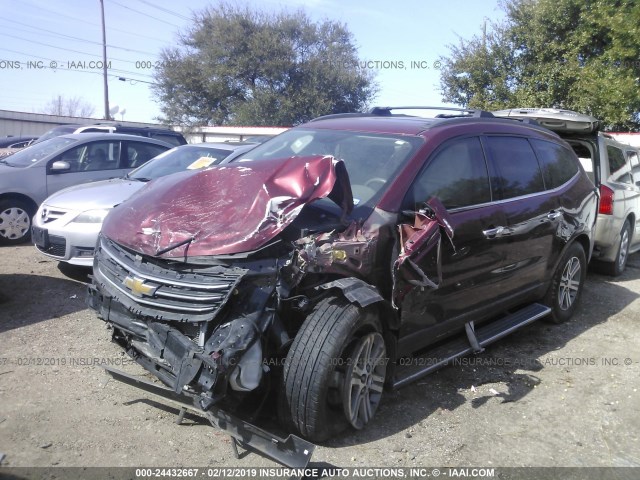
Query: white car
x: 67, y: 224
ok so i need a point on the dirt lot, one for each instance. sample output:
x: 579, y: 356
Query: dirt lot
x: 545, y: 396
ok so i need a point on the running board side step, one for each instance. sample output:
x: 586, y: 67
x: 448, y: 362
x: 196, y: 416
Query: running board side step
x: 292, y: 452
x: 474, y: 341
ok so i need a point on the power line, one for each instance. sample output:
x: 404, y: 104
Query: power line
x: 40, y: 30
x: 117, y: 70
x: 84, y: 21
x: 62, y: 48
x: 166, y: 10
x: 143, y: 13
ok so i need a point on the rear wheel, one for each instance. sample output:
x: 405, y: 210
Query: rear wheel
x: 616, y: 267
x: 335, y: 371
x: 566, y: 285
x: 15, y: 222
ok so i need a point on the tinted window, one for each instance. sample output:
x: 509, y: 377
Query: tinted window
x: 140, y: 153
x: 516, y: 167
x: 171, y: 139
x: 456, y: 175
x: 618, y: 168
x: 558, y: 163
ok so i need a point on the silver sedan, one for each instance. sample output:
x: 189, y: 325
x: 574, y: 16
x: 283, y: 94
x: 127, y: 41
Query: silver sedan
x: 67, y: 223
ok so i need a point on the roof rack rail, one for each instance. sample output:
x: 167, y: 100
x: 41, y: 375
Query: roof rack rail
x: 340, y: 115
x: 466, y: 112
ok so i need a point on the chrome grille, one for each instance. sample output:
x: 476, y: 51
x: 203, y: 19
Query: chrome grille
x: 151, y: 285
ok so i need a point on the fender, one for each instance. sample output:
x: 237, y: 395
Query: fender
x: 355, y: 290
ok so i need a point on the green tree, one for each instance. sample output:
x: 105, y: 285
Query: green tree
x: 574, y: 54
x: 240, y: 66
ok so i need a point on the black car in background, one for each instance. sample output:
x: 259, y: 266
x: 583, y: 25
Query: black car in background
x: 166, y: 135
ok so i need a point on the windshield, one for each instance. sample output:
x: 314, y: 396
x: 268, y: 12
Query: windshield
x: 372, y: 160
x: 38, y: 151
x: 188, y: 157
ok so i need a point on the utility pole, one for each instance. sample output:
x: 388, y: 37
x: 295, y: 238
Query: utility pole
x: 104, y: 65
x: 484, y: 34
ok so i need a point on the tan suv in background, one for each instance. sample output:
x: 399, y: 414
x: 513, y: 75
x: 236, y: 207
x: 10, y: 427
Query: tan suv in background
x: 614, y: 167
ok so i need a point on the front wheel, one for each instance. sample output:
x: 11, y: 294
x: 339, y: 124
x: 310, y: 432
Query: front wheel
x: 15, y: 222
x: 567, y: 284
x: 334, y: 372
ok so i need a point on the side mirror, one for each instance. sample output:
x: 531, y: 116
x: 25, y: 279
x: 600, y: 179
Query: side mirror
x: 60, y: 166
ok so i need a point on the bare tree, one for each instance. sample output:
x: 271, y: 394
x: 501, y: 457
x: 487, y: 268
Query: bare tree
x: 69, y: 107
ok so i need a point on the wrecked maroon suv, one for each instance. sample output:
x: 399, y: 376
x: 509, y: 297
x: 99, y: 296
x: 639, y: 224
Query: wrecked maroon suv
x: 304, y: 274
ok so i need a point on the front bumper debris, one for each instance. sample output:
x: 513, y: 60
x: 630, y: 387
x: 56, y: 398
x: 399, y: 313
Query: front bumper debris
x: 292, y: 452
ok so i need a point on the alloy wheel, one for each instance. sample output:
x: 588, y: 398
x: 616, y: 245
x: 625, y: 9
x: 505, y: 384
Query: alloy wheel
x: 624, y: 248
x: 364, y: 380
x: 569, y: 283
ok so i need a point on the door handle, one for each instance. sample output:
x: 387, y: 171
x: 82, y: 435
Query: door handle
x: 552, y: 215
x: 493, y: 232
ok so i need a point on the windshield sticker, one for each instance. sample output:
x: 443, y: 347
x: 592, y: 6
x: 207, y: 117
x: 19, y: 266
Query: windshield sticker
x: 202, y: 162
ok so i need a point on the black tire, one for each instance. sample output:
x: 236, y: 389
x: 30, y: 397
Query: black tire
x: 15, y: 222
x: 312, y: 395
x: 616, y: 267
x: 564, y: 294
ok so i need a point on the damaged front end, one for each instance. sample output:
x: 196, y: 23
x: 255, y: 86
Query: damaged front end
x: 203, y: 331
x: 192, y: 326
x: 205, y: 300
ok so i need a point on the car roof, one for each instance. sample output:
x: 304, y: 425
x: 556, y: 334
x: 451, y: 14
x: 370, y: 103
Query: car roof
x: 398, y: 124
x: 87, y: 137
x: 381, y: 120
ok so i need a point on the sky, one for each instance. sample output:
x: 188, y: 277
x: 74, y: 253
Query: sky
x: 55, y: 48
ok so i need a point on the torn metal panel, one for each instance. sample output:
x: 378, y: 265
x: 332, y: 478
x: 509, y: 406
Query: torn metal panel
x: 211, y: 212
x: 347, y: 252
x: 418, y: 241
x: 291, y: 451
x: 355, y: 290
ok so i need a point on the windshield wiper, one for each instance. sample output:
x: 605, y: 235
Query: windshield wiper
x: 4, y: 162
x: 174, y: 246
x: 141, y: 179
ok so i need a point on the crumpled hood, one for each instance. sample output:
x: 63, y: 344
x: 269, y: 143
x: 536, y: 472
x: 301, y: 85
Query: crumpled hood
x: 226, y: 209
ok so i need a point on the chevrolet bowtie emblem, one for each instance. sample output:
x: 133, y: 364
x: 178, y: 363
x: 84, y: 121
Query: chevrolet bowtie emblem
x: 138, y: 287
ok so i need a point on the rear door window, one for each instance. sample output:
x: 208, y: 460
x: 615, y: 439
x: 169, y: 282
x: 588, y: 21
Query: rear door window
x: 557, y: 162
x: 139, y: 153
x: 515, y: 167
x: 171, y: 139
x: 619, y: 169
x: 457, y: 175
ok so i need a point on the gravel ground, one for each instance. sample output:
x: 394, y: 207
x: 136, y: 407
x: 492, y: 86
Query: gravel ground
x: 548, y: 395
